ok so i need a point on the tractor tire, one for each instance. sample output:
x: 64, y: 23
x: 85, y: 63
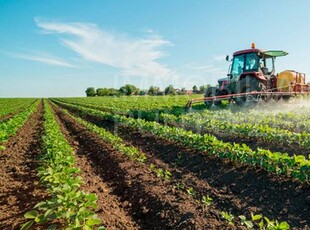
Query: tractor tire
x: 220, y: 93
x: 211, y: 92
x: 286, y: 98
x: 247, y: 85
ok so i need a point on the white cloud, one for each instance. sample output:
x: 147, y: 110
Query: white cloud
x: 134, y: 57
x: 43, y: 58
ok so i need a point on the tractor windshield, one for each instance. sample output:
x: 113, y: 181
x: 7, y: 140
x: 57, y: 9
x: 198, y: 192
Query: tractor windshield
x: 244, y: 63
x: 251, y: 61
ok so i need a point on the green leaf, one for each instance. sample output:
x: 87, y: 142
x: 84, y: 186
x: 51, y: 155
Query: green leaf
x: 31, y: 215
x: 256, y: 217
x: 261, y: 224
x: 41, y: 204
x: 284, y: 226
x: 101, y: 228
x: 40, y: 219
x: 93, y: 221
x: 249, y: 224
x: 27, y: 225
x: 87, y: 228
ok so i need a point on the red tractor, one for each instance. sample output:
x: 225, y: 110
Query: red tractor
x: 252, y: 77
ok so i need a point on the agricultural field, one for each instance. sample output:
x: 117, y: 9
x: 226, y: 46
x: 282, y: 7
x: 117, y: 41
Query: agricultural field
x: 149, y: 163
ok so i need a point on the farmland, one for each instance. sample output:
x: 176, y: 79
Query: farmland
x: 147, y: 163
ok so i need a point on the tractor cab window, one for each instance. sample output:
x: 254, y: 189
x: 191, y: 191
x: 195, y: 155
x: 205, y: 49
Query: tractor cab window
x: 251, y: 62
x: 237, y: 67
x: 266, y: 65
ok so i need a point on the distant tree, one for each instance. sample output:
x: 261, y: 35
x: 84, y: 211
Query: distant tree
x: 183, y: 91
x: 153, y: 90
x: 128, y: 90
x: 170, y: 90
x: 203, y: 88
x: 102, y: 92
x: 90, y: 92
x: 195, y: 89
x: 113, y: 92
x: 106, y: 92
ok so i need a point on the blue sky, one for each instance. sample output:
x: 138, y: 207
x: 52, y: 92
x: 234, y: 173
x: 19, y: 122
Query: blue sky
x: 59, y: 48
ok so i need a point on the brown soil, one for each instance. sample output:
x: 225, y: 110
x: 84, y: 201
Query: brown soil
x: 6, y: 117
x: 238, y: 188
x: 151, y: 202
x: 19, y: 184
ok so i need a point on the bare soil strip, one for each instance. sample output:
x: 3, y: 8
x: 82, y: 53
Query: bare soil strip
x: 150, y: 201
x: 239, y: 188
x: 7, y: 116
x: 19, y: 184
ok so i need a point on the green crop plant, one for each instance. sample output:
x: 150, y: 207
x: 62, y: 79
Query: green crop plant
x: 162, y: 173
x: 227, y: 217
x: 191, y: 191
x: 207, y: 200
x: 57, y: 172
x: 244, y: 222
x: 179, y: 186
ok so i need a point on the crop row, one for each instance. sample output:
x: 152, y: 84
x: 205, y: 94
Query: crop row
x: 148, y: 108
x: 10, y: 105
x: 67, y: 203
x: 294, y: 121
x: 295, y: 166
x: 9, y: 127
x: 135, y: 154
x: 205, y: 124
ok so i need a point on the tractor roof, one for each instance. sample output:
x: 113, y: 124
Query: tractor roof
x: 248, y: 51
x: 269, y: 53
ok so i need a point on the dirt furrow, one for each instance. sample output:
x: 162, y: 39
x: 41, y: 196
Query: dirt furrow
x: 19, y: 184
x: 150, y: 201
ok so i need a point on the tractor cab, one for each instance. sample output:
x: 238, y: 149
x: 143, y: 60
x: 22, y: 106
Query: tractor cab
x: 253, y: 62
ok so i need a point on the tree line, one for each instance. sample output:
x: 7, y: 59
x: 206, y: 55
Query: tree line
x: 128, y: 90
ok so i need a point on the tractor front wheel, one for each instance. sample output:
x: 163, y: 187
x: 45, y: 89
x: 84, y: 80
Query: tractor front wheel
x: 247, y: 85
x: 211, y: 92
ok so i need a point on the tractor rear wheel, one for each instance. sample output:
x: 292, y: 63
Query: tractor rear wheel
x: 247, y: 85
